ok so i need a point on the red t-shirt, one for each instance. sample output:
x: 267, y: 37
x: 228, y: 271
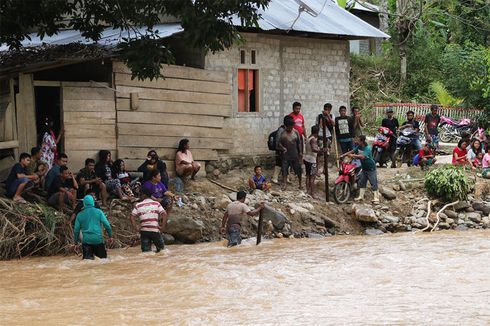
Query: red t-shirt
x: 461, y: 154
x: 299, y: 121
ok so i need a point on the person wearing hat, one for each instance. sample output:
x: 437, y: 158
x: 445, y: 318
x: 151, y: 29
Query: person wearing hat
x: 153, y: 162
x: 391, y: 123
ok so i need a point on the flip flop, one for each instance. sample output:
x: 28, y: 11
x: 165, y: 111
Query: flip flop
x: 20, y: 200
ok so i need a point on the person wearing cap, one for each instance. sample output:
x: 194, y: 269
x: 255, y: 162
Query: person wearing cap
x: 391, y: 123
x: 153, y: 162
x: 233, y: 218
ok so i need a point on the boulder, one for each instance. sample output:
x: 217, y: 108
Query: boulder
x: 373, y: 232
x: 387, y: 193
x: 209, y: 168
x: 461, y: 228
x: 422, y: 222
x: 221, y: 202
x: 297, y: 208
x: 364, y: 213
x: 463, y: 204
x: 314, y: 235
x: 185, y: 229
x: 449, y: 220
x: 451, y: 214
x: 482, y: 207
x: 329, y: 223
x: 443, y: 216
x: 232, y: 196
x: 486, y: 221
x: 278, y: 219
x: 470, y: 209
x: 168, y: 239
x: 201, y: 201
x: 444, y: 226
x: 475, y: 217
x: 390, y: 219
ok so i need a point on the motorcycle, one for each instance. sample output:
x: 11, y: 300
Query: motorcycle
x: 405, y: 146
x: 381, y: 146
x: 453, y: 131
x: 346, y: 182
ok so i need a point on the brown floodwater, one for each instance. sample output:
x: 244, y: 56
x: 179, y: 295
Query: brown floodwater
x: 403, y: 279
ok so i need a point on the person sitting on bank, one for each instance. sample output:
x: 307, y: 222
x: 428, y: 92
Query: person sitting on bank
x: 153, y: 220
x: 425, y: 157
x: 63, y: 190
x: 158, y: 191
x: 475, y: 153
x: 233, y: 218
x: 89, y: 221
x: 486, y: 164
x: 363, y: 152
x: 184, y: 162
x: 104, y: 171
x: 88, y: 182
x: 55, y: 170
x: 18, y: 180
x: 460, y: 155
x: 153, y: 162
x: 130, y: 187
x: 258, y: 181
x: 36, y: 166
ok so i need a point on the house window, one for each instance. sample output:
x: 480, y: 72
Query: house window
x: 242, y: 57
x: 252, y: 57
x: 248, y: 90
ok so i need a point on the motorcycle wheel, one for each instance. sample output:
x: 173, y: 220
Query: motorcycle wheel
x: 341, y: 192
x: 398, y: 158
x: 445, y: 136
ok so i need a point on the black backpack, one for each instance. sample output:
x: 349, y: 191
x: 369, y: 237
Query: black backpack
x: 272, y: 140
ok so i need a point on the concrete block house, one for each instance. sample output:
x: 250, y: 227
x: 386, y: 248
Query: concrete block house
x: 226, y: 103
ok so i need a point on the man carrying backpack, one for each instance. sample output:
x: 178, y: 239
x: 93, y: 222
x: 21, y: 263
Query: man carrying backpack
x: 273, y: 143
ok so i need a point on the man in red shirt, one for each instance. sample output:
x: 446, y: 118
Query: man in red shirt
x: 298, y: 119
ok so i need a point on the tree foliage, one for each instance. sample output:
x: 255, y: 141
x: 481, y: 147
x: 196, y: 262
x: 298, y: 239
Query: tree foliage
x: 207, y: 24
x: 447, y: 183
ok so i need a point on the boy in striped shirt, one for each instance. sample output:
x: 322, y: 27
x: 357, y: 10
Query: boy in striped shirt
x: 150, y: 214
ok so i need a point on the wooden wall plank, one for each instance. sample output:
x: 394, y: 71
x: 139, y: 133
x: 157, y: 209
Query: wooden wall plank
x: 170, y: 119
x: 88, y: 105
x: 90, y: 143
x: 76, y: 158
x: 171, y: 130
x: 123, y: 104
x: 84, y: 93
x: 132, y: 165
x: 175, y: 84
x: 180, y: 72
x: 171, y: 95
x: 172, y: 142
x: 26, y: 113
x: 89, y: 130
x: 165, y: 153
x: 78, y: 118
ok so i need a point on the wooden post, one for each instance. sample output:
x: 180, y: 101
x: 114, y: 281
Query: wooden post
x: 259, y: 228
x: 325, y: 158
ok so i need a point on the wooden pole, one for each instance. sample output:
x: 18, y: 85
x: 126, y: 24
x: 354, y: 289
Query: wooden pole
x: 325, y: 158
x: 334, y: 141
x: 259, y: 228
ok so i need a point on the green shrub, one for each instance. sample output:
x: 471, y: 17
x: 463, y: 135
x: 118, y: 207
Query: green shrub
x: 447, y: 183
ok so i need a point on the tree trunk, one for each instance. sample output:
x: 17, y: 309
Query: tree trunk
x: 383, y: 16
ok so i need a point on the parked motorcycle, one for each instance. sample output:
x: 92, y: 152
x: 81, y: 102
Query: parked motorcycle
x: 346, y: 182
x: 381, y: 146
x: 453, y: 130
x: 405, y: 146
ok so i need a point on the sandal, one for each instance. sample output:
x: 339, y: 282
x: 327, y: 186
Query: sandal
x: 20, y: 200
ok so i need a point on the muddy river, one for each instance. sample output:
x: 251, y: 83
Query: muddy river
x: 403, y: 279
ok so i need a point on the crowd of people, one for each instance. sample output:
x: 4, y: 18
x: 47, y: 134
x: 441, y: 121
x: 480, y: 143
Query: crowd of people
x: 46, y: 171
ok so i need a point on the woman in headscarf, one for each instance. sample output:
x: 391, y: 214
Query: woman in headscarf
x: 153, y: 162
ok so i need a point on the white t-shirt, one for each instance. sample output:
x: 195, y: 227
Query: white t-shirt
x: 148, y: 211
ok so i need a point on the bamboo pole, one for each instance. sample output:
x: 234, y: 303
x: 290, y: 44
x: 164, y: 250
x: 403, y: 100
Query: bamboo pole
x: 259, y: 228
x: 325, y: 158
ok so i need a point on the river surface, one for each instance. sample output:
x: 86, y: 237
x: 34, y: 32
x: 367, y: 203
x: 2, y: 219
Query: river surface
x: 403, y: 279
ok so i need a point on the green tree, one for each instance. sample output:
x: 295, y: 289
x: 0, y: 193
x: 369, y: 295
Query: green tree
x: 207, y: 24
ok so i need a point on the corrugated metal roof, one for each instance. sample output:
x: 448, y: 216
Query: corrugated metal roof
x: 363, y: 6
x: 331, y: 19
x: 110, y: 36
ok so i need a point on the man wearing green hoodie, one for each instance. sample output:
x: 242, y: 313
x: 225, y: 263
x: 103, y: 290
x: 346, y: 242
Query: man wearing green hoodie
x: 89, y: 221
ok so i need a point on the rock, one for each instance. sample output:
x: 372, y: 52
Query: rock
x: 278, y: 219
x: 461, y: 228
x: 297, y: 208
x: 443, y: 216
x: 329, y: 223
x: 307, y: 206
x: 221, y: 202
x: 486, y: 221
x: 451, y: 214
x: 390, y: 219
x: 232, y: 196
x: 461, y: 216
x: 432, y: 217
x: 470, y: 224
x: 286, y: 230
x: 194, y: 206
x: 420, y: 214
x: 168, y: 239
x: 396, y: 187
x: 373, y: 232
x: 279, y: 235
x: 461, y: 205
x: 201, y: 201
x: 364, y: 213
x: 387, y: 193
x: 470, y: 209
x: 449, y: 220
x: 216, y: 173
x: 185, y: 229
x: 475, y: 217
x: 422, y: 222
x: 444, y: 226
x: 482, y: 207
x: 314, y: 235
x: 402, y: 185
x: 422, y: 207
x: 385, y: 208
x: 209, y: 168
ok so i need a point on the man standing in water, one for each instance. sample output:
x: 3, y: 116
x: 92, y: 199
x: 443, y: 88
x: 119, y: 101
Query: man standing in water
x: 89, y: 221
x: 232, y: 220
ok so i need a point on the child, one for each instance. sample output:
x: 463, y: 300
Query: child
x: 258, y: 181
x: 426, y: 156
x: 128, y: 186
x: 149, y: 212
x: 486, y: 164
x: 89, y: 221
x: 232, y: 220
x: 311, y: 153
